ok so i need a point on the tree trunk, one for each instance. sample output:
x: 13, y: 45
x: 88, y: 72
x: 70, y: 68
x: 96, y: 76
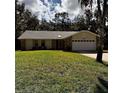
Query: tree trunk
x: 100, y: 33
x: 100, y: 44
x: 99, y: 54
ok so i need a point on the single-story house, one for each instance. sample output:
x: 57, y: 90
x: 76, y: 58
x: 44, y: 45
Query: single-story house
x: 58, y: 40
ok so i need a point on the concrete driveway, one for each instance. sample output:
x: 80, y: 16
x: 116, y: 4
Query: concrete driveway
x: 93, y: 55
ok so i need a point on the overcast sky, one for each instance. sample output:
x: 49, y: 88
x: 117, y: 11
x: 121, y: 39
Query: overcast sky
x: 47, y: 8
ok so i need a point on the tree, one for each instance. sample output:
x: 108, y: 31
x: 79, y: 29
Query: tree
x: 102, y: 8
x: 24, y: 20
x: 20, y: 22
x: 62, y: 21
x: 33, y: 23
x: 88, y: 16
x: 79, y: 23
x: 44, y: 25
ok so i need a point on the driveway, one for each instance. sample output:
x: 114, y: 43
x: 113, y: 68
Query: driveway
x: 93, y: 55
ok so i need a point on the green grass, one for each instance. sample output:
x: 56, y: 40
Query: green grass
x: 56, y: 72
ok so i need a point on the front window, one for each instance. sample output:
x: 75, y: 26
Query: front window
x: 35, y: 43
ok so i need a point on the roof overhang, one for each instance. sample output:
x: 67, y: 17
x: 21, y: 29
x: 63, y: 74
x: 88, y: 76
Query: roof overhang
x: 51, y: 34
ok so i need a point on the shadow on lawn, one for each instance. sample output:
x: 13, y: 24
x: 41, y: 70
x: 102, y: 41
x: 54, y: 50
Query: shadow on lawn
x: 102, y: 87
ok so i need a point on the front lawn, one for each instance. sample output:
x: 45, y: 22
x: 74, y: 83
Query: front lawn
x: 48, y: 71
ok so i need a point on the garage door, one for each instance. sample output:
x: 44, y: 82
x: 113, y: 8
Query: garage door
x: 83, y: 45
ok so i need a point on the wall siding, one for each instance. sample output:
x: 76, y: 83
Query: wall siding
x: 48, y: 44
x: 84, y: 36
x: 28, y: 44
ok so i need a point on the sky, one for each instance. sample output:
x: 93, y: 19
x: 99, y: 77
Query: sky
x: 48, y: 8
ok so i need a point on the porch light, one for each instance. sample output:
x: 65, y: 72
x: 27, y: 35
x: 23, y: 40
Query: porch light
x: 59, y: 36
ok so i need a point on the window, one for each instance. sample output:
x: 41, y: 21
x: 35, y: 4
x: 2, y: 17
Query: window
x: 87, y: 40
x: 75, y: 40
x: 35, y: 43
x: 42, y: 42
x: 93, y: 40
x: 90, y: 40
x: 83, y: 40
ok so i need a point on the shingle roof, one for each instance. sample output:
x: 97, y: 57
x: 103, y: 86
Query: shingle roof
x: 49, y: 34
x: 46, y: 34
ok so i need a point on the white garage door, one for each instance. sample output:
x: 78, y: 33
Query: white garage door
x: 83, y: 45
